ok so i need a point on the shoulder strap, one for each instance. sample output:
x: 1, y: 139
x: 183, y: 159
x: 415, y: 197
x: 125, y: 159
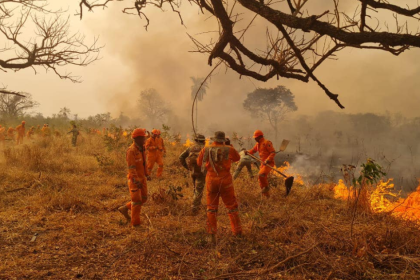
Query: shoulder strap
x: 205, y: 158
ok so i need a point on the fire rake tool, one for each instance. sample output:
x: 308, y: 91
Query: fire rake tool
x: 289, y: 180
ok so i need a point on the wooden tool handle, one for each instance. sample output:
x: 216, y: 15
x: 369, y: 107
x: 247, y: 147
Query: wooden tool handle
x: 267, y: 165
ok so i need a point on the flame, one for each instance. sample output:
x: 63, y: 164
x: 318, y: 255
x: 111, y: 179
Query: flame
x: 382, y: 198
x: 342, y: 192
x: 188, y: 143
x: 409, y: 208
x: 285, y: 170
x: 379, y: 201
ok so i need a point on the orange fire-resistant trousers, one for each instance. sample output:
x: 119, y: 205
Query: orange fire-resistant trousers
x: 138, y: 198
x: 152, y: 158
x: 19, y: 139
x: 221, y: 187
x: 263, y: 179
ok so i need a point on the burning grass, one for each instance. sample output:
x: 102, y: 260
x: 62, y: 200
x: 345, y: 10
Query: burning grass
x: 59, y: 221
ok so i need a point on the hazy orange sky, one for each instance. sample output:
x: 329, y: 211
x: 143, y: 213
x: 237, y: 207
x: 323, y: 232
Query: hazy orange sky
x: 133, y: 59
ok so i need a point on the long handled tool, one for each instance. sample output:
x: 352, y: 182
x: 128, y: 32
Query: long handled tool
x: 289, y: 180
x: 283, y: 146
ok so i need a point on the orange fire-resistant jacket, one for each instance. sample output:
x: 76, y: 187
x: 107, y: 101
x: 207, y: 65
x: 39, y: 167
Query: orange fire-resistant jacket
x: 46, y: 131
x: 10, y: 132
x: 155, y: 144
x: 2, y: 130
x: 30, y: 133
x: 226, y: 155
x: 265, y: 149
x: 20, y: 130
x: 136, y: 161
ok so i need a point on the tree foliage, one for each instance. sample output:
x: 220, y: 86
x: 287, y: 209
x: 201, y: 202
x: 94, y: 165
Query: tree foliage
x: 13, y: 106
x: 64, y: 113
x: 100, y: 120
x: 196, y: 85
x: 152, y: 106
x: 271, y: 104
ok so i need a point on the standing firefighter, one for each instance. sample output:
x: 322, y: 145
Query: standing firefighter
x: 137, y: 177
x: 155, y: 150
x: 217, y: 160
x: 189, y: 160
x: 2, y: 136
x: 20, y: 133
x: 246, y: 161
x: 11, y: 133
x: 266, y: 150
x: 75, y: 133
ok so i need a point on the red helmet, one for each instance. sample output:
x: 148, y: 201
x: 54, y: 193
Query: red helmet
x: 156, y: 131
x: 138, y: 132
x: 23, y: 122
x: 258, y: 133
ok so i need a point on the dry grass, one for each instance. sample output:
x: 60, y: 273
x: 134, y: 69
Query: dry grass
x: 68, y: 197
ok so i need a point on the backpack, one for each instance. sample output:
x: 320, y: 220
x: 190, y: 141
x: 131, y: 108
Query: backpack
x: 215, y: 155
x: 192, y: 159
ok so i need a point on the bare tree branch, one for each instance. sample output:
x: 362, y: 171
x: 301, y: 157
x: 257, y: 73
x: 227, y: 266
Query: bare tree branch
x: 5, y: 91
x: 51, y: 46
x: 304, y: 40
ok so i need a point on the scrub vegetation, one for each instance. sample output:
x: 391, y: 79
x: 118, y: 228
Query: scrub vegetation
x: 59, y: 220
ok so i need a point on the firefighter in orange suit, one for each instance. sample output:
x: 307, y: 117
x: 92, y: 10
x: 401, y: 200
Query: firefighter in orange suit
x: 30, y: 133
x: 266, y: 151
x: 11, y: 133
x: 137, y: 177
x: 20, y: 133
x: 217, y: 159
x: 2, y: 136
x: 155, y: 151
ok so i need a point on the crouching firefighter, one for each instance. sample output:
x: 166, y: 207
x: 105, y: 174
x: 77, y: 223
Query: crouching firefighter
x: 137, y: 177
x: 217, y: 160
x: 189, y: 160
x: 246, y: 161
